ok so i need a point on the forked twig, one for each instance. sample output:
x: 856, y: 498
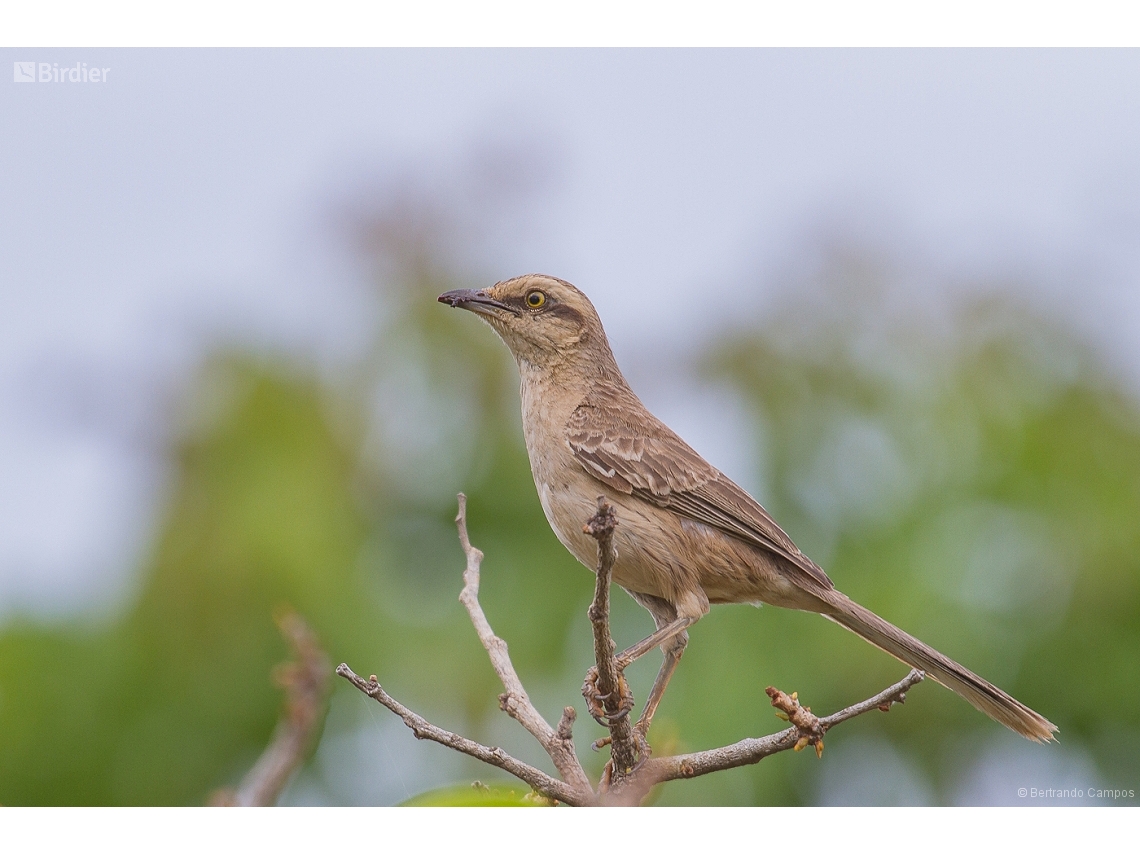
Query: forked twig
x: 515, y: 702
x: 626, y: 781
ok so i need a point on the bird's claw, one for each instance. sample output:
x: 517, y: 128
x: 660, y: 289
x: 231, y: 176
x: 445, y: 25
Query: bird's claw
x: 606, y: 714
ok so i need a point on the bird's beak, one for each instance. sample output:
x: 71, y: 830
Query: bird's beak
x: 475, y: 301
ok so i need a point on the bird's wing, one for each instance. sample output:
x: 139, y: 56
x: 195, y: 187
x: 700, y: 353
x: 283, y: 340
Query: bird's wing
x: 649, y: 461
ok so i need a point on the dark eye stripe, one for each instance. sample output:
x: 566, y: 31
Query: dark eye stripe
x: 561, y: 310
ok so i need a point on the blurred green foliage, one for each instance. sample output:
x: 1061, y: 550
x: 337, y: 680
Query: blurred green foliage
x: 976, y: 482
x: 477, y: 794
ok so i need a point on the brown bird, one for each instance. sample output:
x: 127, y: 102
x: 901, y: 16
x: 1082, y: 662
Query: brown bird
x: 687, y: 535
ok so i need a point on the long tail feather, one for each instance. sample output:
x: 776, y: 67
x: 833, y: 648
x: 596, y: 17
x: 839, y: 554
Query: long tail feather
x: 983, y: 695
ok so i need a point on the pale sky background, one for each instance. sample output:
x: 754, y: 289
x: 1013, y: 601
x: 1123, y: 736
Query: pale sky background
x: 190, y: 199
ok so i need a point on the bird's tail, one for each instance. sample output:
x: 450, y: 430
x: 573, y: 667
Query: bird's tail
x: 984, y: 696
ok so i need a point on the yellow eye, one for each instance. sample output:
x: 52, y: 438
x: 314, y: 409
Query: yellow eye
x: 536, y: 299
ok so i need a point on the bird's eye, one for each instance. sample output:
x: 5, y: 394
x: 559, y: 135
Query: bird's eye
x: 536, y: 299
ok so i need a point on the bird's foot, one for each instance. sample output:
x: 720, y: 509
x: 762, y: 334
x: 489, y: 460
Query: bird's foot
x: 604, y: 707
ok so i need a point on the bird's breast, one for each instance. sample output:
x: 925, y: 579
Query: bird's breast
x: 645, y: 536
x: 645, y: 562
x: 567, y: 513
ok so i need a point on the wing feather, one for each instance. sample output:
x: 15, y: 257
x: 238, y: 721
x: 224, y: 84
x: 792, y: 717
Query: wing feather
x: 653, y: 463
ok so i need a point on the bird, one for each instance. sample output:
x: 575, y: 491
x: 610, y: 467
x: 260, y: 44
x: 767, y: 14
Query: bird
x: 687, y: 537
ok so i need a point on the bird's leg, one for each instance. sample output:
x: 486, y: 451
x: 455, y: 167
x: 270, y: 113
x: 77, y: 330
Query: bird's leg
x: 673, y: 650
x: 595, y: 701
x: 630, y: 655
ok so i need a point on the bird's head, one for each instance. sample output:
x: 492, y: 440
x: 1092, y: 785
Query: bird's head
x: 546, y: 322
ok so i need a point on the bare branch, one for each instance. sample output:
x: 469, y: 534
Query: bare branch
x: 625, y: 782
x: 515, y: 701
x: 423, y: 729
x: 657, y: 770
x: 883, y: 701
x: 306, y: 684
x: 611, y: 688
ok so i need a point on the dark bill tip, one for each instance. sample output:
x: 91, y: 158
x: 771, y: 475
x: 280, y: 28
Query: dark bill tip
x: 457, y: 298
x: 476, y: 301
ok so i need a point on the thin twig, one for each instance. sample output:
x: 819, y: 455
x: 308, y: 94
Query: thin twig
x: 611, y: 686
x: 423, y: 729
x: 657, y: 770
x: 515, y: 702
x: 306, y: 684
x: 883, y: 701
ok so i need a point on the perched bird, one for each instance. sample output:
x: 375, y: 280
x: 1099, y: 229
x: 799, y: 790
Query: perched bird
x: 687, y: 536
